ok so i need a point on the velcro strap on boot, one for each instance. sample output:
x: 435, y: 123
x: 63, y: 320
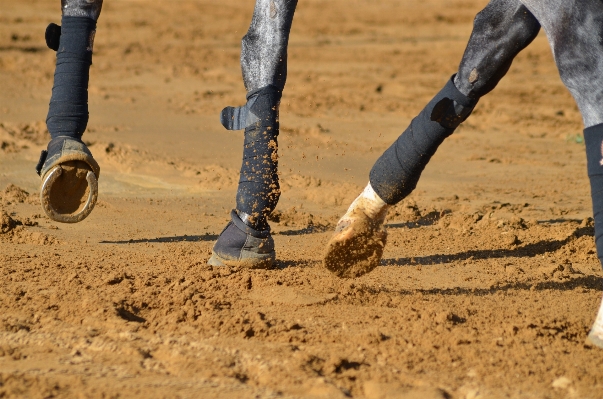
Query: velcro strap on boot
x: 43, y: 156
x: 238, y: 118
x: 53, y: 36
x: 454, y: 108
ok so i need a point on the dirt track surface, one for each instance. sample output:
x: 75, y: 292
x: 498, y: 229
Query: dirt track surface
x: 489, y: 282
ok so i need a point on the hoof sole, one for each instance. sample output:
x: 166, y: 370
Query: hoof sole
x: 356, y: 250
x: 69, y: 192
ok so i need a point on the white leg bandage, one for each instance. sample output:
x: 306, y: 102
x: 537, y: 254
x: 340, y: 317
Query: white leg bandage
x: 596, y: 333
x: 369, y: 203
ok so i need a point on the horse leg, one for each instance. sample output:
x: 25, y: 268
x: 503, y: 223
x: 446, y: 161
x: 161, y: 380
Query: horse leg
x: 500, y: 32
x: 574, y: 32
x: 68, y: 170
x: 246, y: 240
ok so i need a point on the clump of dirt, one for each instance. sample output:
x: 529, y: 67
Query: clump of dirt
x: 12, y: 229
x: 6, y: 222
x: 13, y: 193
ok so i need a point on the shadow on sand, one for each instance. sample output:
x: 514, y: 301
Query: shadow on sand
x: 161, y: 240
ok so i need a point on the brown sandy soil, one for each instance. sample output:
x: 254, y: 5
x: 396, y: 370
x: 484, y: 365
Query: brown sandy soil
x: 489, y: 282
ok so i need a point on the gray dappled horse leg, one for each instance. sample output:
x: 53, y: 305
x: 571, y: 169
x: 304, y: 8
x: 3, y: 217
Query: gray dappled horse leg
x: 246, y: 240
x: 82, y: 8
x: 69, y: 172
x: 574, y: 31
x: 500, y: 32
x: 264, y: 47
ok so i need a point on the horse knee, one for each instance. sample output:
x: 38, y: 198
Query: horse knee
x: 500, y: 32
x: 82, y: 8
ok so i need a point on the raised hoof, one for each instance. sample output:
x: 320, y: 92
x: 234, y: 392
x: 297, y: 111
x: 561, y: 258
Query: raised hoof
x: 356, y: 248
x: 69, y: 192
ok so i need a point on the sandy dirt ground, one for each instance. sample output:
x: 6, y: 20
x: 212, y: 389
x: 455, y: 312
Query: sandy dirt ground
x: 489, y: 282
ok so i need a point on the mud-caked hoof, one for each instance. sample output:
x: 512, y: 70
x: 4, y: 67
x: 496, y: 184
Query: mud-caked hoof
x: 356, y: 247
x: 69, y: 174
x: 241, y: 246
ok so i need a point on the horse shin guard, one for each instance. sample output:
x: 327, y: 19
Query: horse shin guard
x: 397, y: 171
x: 258, y: 190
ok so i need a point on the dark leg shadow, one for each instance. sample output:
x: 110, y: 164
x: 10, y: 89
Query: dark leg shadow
x: 285, y: 264
x: 589, y: 282
x: 206, y: 237
x: 305, y: 230
x: 525, y: 251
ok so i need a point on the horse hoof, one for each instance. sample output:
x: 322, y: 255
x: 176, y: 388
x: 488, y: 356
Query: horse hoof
x: 69, y: 192
x: 241, y: 246
x: 356, y: 247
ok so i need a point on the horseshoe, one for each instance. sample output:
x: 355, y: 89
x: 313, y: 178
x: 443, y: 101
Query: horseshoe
x: 51, y: 177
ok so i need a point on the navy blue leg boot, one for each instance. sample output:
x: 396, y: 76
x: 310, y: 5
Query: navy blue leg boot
x: 593, y: 137
x: 397, y: 171
x: 68, y: 170
x: 246, y: 240
x: 241, y: 245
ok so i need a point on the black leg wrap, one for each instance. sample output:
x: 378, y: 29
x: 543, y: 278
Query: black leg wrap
x: 68, y: 112
x: 397, y: 171
x: 593, y: 137
x: 259, y: 189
